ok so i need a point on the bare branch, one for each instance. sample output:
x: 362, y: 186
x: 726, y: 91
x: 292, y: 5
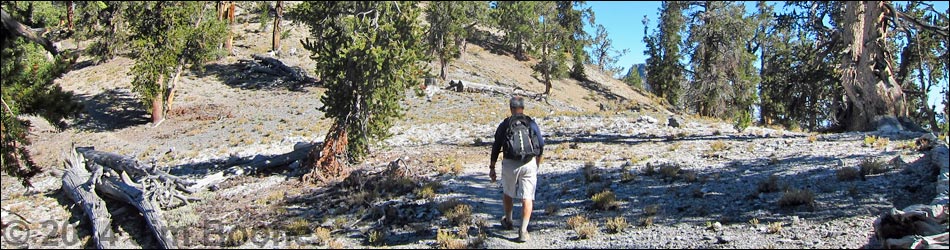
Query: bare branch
x: 17, y: 28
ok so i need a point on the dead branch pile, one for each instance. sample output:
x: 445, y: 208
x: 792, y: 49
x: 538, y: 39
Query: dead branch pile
x: 921, y: 226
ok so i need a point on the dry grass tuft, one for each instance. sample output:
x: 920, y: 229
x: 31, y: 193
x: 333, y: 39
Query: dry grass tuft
x: 427, y: 191
x: 576, y: 221
x: 590, y: 172
x: 649, y: 170
x: 460, y: 214
x: 670, y: 171
x: 646, y: 221
x: 237, y: 237
x: 796, y: 197
x: 447, y: 240
x: 587, y: 230
x: 774, y: 227
x: 616, y: 224
x: 323, y: 235
x: 376, y: 237
x: 298, y: 226
x: 718, y: 146
x: 605, y: 200
x: 335, y: 244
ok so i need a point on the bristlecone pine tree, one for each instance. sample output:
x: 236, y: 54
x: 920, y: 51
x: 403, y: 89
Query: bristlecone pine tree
x: 367, y: 54
x: 165, y: 37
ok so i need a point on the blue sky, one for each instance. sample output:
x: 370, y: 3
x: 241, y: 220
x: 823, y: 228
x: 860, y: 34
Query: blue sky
x: 623, y: 21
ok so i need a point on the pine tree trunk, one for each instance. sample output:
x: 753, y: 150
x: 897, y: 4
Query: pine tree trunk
x: 228, y: 44
x: 276, y: 36
x: 158, y: 113
x: 445, y: 65
x: 327, y: 161
x: 69, y: 14
x: 866, y: 74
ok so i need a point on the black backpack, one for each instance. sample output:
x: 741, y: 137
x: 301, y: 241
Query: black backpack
x: 522, y: 143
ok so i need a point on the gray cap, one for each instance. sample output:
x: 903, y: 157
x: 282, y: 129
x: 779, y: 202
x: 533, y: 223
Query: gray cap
x: 516, y: 102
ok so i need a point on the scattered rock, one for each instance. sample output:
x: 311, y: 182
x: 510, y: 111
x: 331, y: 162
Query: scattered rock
x: 723, y: 239
x: 887, y: 124
x: 673, y: 122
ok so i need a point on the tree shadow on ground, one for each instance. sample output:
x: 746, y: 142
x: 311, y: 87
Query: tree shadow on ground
x: 111, y: 110
x: 601, y: 90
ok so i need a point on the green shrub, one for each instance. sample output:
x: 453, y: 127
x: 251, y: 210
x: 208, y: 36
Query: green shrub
x: 743, y: 121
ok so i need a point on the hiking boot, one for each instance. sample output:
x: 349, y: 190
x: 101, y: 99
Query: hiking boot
x: 523, y: 236
x: 506, y: 223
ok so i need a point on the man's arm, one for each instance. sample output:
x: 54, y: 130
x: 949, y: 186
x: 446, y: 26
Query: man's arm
x: 537, y: 131
x: 496, y: 149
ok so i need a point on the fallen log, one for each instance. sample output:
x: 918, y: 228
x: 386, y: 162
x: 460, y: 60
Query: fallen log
x: 113, y: 186
x: 255, y: 165
x: 79, y: 186
x: 459, y: 86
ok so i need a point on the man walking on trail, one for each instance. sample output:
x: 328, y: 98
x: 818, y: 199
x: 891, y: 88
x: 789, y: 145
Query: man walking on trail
x: 520, y: 138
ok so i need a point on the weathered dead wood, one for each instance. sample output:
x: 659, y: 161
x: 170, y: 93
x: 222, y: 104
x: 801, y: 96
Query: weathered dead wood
x: 134, y: 168
x: 255, y: 165
x: 79, y: 185
x: 280, y: 68
x: 920, y: 226
x: 16, y: 28
x: 113, y: 186
x: 459, y: 86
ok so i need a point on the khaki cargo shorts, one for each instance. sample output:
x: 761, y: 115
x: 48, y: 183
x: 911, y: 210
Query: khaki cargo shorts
x: 518, y: 179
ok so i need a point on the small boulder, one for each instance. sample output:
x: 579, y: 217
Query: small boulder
x: 673, y: 122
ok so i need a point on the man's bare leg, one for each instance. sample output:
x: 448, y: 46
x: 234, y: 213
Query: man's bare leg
x: 526, y: 208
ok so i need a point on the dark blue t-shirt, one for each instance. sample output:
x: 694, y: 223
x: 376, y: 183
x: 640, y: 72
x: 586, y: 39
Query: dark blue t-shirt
x: 500, y: 138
